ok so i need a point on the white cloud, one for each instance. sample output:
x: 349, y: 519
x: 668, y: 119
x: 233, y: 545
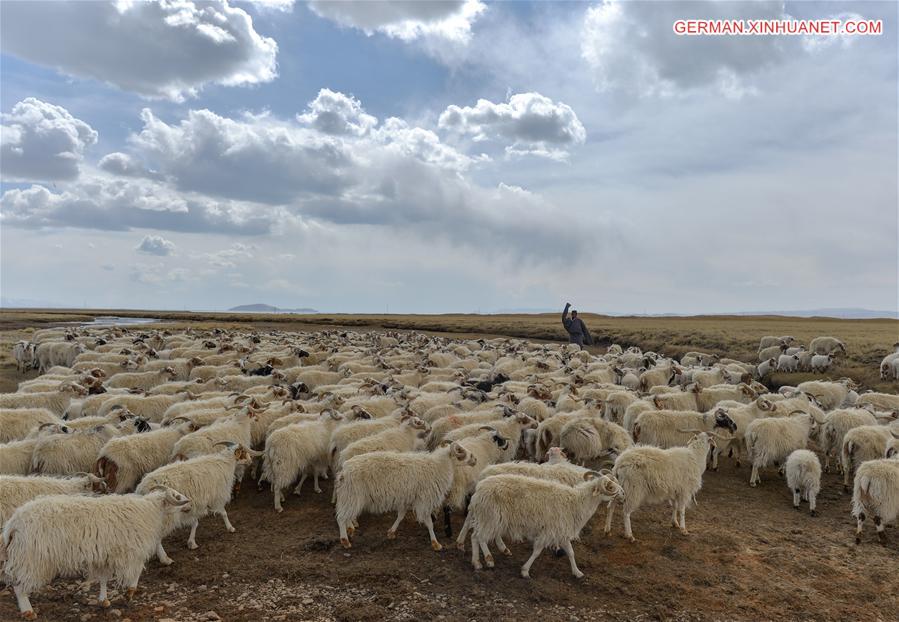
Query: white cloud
x: 336, y: 113
x: 631, y: 46
x: 527, y: 123
x: 403, y: 19
x: 155, y: 245
x: 42, y: 142
x: 167, y: 49
x: 124, y: 165
x: 99, y: 202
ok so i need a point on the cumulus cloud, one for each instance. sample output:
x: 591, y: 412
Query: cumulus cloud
x: 156, y: 49
x: 124, y: 165
x: 99, y: 202
x: 336, y: 113
x: 42, y: 142
x: 155, y: 245
x: 528, y: 123
x: 258, y: 159
x: 402, y: 19
x: 632, y: 46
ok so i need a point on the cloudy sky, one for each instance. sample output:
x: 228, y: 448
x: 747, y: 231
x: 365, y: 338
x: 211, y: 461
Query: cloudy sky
x: 445, y: 156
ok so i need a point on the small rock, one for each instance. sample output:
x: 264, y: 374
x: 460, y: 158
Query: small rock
x: 86, y: 617
x: 158, y: 609
x: 211, y: 615
x: 115, y: 613
x: 308, y: 601
x: 167, y: 620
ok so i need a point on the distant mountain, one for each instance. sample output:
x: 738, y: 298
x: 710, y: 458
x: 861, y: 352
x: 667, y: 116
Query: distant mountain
x: 848, y: 313
x: 27, y: 303
x: 527, y: 311
x: 263, y: 308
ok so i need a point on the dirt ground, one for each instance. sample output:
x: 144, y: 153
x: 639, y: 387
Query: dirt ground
x: 751, y: 556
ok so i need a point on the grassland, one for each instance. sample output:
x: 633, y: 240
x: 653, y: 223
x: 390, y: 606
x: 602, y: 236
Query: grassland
x: 868, y: 341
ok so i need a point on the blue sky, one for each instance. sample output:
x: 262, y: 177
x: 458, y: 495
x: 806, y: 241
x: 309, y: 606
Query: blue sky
x: 439, y: 157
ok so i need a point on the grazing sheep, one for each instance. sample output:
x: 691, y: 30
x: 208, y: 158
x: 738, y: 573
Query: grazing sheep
x: 821, y: 362
x: 826, y: 345
x: 876, y: 494
x: 804, y: 477
x: 788, y: 363
x: 764, y: 368
x: 888, y: 367
x: 543, y: 512
x: 829, y: 395
x: 672, y: 428
x: 124, y: 460
x: 385, y: 481
x: 145, y: 380
x: 54, y: 401
x: 836, y: 424
x: 17, y: 490
x: 17, y: 423
x: 207, y: 480
x: 653, y: 475
x: 408, y: 436
x: 878, y: 401
x: 108, y: 537
x: 67, y: 454
x: 592, y: 438
x: 772, y: 439
x: 867, y: 442
x: 771, y: 352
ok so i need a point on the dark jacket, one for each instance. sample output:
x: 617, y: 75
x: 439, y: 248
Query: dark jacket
x: 577, y: 330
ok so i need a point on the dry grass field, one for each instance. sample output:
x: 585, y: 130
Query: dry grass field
x: 750, y: 557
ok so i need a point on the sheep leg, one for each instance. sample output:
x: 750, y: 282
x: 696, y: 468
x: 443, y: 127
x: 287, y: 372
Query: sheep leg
x: 881, y: 534
x: 609, y: 512
x: 502, y: 546
x: 683, y: 519
x: 858, y: 527
x: 296, y: 490
x: 224, y: 516
x: 569, y: 550
x: 797, y: 497
x: 466, y: 526
x: 674, y: 512
x: 429, y: 523
x: 526, y: 569
x: 164, y: 559
x: 811, y: 504
x: 24, y: 603
x: 847, y: 470
x: 192, y: 539
x: 279, y: 498
x: 315, y: 485
x: 475, y: 552
x: 103, y: 599
x: 485, y: 549
x: 391, y: 533
x: 627, y: 526
x: 754, y: 478
x: 344, y: 539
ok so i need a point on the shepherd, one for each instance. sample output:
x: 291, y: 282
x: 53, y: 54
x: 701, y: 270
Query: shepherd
x: 577, y: 330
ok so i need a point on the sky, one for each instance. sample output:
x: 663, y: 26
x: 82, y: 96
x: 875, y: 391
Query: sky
x: 432, y: 157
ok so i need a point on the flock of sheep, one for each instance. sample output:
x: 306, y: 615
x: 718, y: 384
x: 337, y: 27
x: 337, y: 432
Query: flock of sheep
x: 129, y: 435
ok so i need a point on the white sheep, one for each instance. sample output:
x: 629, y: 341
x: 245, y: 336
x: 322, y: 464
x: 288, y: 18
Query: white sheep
x: 145, y: 380
x: 821, y: 362
x: 876, y: 494
x: 298, y: 450
x: 543, y: 512
x: 408, y: 436
x: 867, y: 442
x: 54, y: 401
x: 66, y: 454
x: 52, y: 353
x: 17, y: 423
x: 386, y: 481
x: 888, y: 367
x: 836, y: 424
x: 23, y: 352
x: 804, y: 477
x: 17, y: 490
x: 592, y: 438
x: 788, y: 363
x: 108, y: 537
x: 826, y: 345
x: 124, y: 460
x: 772, y: 439
x: 207, y: 480
x: 653, y: 475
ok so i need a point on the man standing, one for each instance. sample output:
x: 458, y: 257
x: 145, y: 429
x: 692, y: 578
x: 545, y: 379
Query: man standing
x: 577, y: 330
